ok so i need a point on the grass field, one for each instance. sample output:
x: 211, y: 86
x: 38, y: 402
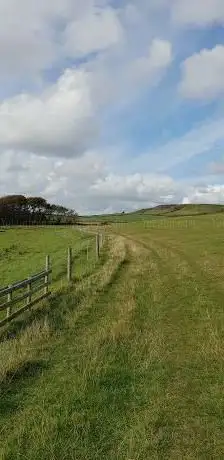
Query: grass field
x: 128, y: 364
x: 23, y: 251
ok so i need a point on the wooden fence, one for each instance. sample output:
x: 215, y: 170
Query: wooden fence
x: 29, y: 284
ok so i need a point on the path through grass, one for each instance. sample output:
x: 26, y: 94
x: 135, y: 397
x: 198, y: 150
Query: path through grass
x: 129, y: 364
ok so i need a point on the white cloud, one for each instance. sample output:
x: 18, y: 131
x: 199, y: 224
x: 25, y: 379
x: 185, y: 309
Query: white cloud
x: 31, y: 35
x: 60, y: 180
x: 144, y: 190
x: 211, y: 194
x: 152, y: 65
x: 86, y: 184
x: 51, y: 139
x: 58, y: 29
x: 160, y: 54
x: 97, y: 31
x: 203, y: 74
x: 121, y: 78
x: 63, y: 119
x: 197, y: 12
x: 83, y: 183
x: 58, y: 122
x: 26, y: 43
x: 134, y: 187
x: 185, y: 13
x: 15, y: 179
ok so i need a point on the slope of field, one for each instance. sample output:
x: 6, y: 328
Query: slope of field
x: 170, y: 210
x: 182, y: 209
x: 129, y: 364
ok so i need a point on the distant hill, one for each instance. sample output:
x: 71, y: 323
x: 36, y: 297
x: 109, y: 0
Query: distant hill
x: 163, y: 210
x: 182, y: 209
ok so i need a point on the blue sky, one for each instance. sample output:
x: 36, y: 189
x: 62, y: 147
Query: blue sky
x: 112, y: 105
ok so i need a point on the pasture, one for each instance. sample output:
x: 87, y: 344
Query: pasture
x: 23, y: 251
x: 128, y: 363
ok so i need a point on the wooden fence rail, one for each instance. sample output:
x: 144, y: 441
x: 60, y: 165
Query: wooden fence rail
x: 30, y: 291
x: 10, y: 300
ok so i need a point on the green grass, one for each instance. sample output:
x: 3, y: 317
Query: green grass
x: 128, y: 363
x: 23, y: 251
x: 182, y: 209
x: 155, y: 213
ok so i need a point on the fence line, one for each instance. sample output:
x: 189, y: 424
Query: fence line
x: 30, y: 291
x: 8, y: 292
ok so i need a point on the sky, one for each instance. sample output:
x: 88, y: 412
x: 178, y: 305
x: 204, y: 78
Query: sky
x: 112, y: 105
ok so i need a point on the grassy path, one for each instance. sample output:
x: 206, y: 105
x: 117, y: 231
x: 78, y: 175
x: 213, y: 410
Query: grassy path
x: 129, y: 367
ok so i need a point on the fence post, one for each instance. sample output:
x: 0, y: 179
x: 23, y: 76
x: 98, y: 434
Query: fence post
x: 97, y: 245
x: 29, y: 291
x: 69, y: 265
x: 87, y: 251
x: 101, y: 240
x: 9, y: 300
x: 46, y: 279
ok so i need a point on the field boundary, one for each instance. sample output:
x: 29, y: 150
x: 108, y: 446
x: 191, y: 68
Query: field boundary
x: 30, y: 291
x: 6, y: 293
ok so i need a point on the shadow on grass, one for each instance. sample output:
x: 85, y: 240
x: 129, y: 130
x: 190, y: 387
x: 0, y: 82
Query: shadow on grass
x: 122, y: 267
x: 111, y: 400
x: 61, y: 275
x: 16, y: 382
x: 59, y: 304
x: 54, y: 310
x: 97, y: 309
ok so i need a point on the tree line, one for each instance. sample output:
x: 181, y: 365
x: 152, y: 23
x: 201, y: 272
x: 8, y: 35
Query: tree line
x: 21, y: 210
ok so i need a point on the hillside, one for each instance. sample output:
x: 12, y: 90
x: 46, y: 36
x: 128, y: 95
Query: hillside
x: 170, y: 210
x: 182, y: 209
